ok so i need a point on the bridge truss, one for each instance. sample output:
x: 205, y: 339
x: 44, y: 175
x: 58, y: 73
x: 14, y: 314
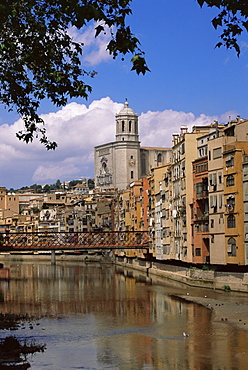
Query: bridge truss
x: 48, y: 241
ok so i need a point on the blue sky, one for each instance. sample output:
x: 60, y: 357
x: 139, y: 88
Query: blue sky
x: 190, y: 82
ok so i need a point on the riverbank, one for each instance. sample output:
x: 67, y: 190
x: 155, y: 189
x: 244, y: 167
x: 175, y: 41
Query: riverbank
x: 230, y: 313
x: 207, y: 279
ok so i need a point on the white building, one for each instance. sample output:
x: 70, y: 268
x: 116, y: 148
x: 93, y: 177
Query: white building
x: 123, y: 161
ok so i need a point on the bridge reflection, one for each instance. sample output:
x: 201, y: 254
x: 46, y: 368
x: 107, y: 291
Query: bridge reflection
x: 74, y: 240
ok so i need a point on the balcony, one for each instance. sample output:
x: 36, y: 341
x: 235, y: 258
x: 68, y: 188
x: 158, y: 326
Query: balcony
x: 202, y: 194
x: 201, y: 189
x: 200, y: 216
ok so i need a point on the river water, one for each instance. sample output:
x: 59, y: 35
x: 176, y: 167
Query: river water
x: 94, y: 316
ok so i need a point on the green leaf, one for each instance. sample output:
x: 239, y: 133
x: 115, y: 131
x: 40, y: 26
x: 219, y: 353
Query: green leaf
x: 99, y: 29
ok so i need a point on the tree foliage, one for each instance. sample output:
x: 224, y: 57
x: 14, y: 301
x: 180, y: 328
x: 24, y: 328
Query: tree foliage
x: 39, y: 60
x: 232, y: 18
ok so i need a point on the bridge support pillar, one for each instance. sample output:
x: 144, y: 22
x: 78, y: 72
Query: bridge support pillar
x: 53, y: 258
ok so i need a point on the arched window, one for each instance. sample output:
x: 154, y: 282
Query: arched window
x: 231, y: 247
x: 136, y: 127
x: 123, y: 126
x: 130, y: 126
x: 230, y: 180
x: 104, y: 167
x: 159, y: 158
x: 131, y: 174
x: 230, y: 203
x: 229, y: 161
x: 231, y: 221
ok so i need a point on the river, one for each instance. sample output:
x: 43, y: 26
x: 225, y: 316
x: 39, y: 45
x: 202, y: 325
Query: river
x: 99, y: 316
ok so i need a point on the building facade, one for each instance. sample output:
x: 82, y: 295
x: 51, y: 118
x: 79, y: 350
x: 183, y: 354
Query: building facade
x: 119, y: 163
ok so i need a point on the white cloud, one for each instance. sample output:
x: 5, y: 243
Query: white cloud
x: 95, y: 48
x: 77, y: 129
x: 156, y: 128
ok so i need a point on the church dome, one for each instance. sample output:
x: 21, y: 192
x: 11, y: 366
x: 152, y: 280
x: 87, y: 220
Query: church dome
x: 126, y: 111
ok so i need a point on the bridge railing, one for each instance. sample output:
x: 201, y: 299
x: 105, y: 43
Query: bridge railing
x: 74, y: 240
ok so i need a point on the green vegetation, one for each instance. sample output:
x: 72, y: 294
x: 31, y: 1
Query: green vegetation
x: 57, y: 186
x: 39, y: 60
x: 227, y: 288
x: 232, y: 18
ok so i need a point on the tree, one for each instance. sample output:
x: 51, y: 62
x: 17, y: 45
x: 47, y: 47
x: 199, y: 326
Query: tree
x: 91, y: 184
x: 58, y: 184
x: 232, y: 18
x: 39, y: 60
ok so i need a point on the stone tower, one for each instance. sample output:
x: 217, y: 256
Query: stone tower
x: 127, y: 147
x: 118, y: 163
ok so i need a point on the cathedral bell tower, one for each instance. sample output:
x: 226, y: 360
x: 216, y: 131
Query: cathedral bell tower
x: 127, y: 149
x: 117, y: 164
x: 127, y: 124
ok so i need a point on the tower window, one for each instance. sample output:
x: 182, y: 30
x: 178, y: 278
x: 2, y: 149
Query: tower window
x: 131, y: 174
x: 130, y: 126
x: 123, y: 126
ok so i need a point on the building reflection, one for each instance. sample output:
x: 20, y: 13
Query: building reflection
x: 145, y: 322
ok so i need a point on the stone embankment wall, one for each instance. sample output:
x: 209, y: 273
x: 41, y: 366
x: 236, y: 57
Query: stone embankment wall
x: 191, y: 276
x: 211, y: 279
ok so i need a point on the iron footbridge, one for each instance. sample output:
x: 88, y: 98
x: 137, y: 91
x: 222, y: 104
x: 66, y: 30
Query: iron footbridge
x: 73, y: 241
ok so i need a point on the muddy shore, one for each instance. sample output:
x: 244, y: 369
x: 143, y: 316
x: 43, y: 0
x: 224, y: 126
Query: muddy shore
x: 229, y: 313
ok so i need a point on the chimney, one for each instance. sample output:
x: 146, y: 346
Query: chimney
x: 184, y: 129
x: 216, y: 128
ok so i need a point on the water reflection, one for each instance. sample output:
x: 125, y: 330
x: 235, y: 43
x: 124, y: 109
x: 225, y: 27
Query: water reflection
x: 105, y: 317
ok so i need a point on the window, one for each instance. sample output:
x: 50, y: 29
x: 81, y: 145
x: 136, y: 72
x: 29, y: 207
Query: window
x: 123, y: 126
x: 136, y: 127
x: 220, y: 177
x: 231, y: 247
x: 212, y: 223
x: 220, y: 200
x: 216, y: 153
x: 229, y: 161
x: 199, y: 189
x: 159, y: 158
x: 130, y: 126
x: 213, y: 202
x: 198, y: 252
x: 230, y: 203
x: 230, y: 180
x: 213, y: 179
x: 201, y: 167
x: 131, y: 174
x: 231, y: 221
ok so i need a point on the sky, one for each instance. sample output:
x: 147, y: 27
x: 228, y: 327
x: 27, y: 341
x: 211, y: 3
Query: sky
x: 191, y: 83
